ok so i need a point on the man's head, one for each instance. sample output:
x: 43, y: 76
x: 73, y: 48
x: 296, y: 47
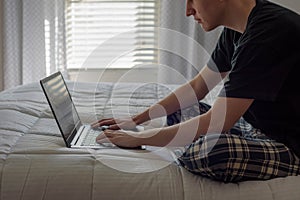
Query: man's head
x: 213, y: 13
x: 208, y: 13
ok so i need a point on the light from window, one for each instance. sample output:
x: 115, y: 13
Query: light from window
x: 118, y: 33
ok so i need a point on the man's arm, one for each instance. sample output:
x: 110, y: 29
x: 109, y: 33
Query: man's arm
x: 186, y: 95
x: 220, y: 118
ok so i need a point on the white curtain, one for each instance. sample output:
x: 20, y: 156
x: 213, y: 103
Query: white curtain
x: 33, y: 40
x: 184, y: 47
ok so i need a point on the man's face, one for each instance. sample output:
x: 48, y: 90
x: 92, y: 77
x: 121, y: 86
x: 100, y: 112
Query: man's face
x: 208, y: 13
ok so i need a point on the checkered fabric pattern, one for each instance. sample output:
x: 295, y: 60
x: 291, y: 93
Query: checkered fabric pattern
x: 243, y: 153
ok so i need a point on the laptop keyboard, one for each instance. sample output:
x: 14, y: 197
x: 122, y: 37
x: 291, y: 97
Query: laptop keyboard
x: 90, y: 139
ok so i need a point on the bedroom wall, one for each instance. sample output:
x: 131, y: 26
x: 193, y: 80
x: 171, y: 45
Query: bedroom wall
x: 1, y: 60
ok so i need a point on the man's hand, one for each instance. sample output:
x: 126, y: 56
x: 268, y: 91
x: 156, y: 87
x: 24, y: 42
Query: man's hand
x: 116, y: 124
x: 127, y: 139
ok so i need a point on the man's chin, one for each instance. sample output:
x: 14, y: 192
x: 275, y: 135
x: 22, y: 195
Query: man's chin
x: 207, y: 28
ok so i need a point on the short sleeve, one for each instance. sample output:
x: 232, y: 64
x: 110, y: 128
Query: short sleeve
x: 220, y: 60
x: 256, y: 73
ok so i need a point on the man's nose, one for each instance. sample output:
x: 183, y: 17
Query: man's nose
x: 189, y: 12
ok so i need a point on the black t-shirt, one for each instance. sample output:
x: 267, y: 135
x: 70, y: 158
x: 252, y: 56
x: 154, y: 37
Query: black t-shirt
x: 264, y: 65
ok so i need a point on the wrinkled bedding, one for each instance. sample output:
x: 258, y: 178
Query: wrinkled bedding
x: 35, y: 164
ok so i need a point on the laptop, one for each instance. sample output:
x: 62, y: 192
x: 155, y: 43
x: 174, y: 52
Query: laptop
x: 74, y: 132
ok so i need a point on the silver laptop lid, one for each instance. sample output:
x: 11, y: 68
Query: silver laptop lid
x: 62, y: 106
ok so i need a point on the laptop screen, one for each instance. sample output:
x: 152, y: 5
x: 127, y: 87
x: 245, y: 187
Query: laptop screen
x: 61, y: 104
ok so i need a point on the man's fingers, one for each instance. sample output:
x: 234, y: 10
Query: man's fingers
x: 114, y: 127
x: 105, y: 140
x: 105, y: 136
x: 101, y: 136
x: 103, y: 122
x: 107, y: 121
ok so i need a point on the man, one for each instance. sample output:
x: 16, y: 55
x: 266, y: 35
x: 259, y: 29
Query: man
x: 259, y: 54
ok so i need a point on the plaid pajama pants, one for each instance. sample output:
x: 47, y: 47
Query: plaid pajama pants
x: 243, y: 153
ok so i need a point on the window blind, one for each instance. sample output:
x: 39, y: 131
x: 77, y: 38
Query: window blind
x: 127, y: 30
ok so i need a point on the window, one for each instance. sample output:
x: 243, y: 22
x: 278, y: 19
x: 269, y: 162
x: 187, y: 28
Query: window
x: 111, y: 33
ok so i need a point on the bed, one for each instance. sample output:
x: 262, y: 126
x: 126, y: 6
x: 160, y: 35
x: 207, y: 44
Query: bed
x: 35, y: 164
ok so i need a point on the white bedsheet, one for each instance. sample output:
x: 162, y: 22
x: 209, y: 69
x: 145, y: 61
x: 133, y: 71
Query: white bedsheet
x: 35, y: 164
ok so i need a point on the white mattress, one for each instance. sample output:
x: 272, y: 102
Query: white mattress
x: 35, y: 164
